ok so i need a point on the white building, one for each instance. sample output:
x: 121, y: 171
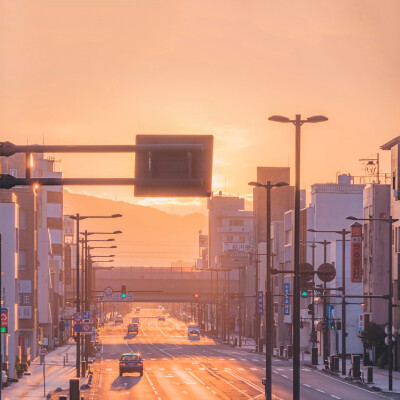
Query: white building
x: 50, y: 251
x: 330, y: 204
x: 9, y: 274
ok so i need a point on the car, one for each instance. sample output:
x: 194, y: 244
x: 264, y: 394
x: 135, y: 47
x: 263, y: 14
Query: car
x: 135, y: 320
x: 133, y: 328
x: 4, y: 379
x: 119, y: 319
x: 193, y: 329
x: 137, y: 309
x: 161, y: 318
x: 130, y: 362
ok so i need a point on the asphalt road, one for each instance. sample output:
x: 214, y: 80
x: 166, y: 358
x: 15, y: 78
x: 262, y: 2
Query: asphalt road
x: 178, y: 368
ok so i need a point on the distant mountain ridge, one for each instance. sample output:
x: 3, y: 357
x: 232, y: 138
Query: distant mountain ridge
x: 150, y: 237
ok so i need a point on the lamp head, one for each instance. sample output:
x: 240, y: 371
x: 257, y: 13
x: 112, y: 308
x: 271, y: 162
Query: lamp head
x: 351, y: 218
x: 116, y: 215
x: 257, y: 184
x: 116, y: 232
x: 317, y: 118
x: 278, y: 118
x: 311, y: 230
x: 280, y: 184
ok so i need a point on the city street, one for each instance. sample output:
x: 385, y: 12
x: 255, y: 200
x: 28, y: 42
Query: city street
x: 178, y: 368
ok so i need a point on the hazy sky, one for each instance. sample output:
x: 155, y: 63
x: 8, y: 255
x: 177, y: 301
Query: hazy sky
x: 100, y: 72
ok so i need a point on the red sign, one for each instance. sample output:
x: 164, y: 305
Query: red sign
x: 4, y: 318
x: 356, y: 252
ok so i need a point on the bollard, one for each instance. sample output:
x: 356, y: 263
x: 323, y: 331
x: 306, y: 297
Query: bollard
x: 260, y: 345
x: 235, y: 342
x: 63, y: 397
x: 302, y: 356
x: 289, y: 350
x: 355, y: 366
x: 66, y: 360
x: 74, y: 389
x: 83, y: 369
x: 370, y: 375
x: 314, y: 356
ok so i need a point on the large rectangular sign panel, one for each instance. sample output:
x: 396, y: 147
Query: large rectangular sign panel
x: 356, y: 252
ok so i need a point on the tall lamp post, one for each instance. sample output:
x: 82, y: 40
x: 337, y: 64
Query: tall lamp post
x: 268, y: 290
x: 77, y: 217
x: 342, y: 232
x: 390, y: 222
x: 298, y: 122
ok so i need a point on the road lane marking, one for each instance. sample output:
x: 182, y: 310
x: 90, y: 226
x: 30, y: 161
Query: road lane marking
x: 246, y: 381
x: 227, y: 382
x: 319, y: 390
x: 335, y: 397
x: 305, y: 384
x: 285, y: 376
x: 195, y: 377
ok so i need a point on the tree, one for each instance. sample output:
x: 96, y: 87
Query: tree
x: 373, y: 336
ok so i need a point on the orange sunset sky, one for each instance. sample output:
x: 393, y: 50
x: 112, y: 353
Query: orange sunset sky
x: 100, y: 72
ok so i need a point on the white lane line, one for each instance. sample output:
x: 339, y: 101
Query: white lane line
x: 285, y: 376
x: 246, y: 381
x: 148, y: 378
x: 305, y: 384
x: 195, y: 377
x: 335, y: 397
x: 212, y: 391
x: 227, y: 382
x: 319, y: 390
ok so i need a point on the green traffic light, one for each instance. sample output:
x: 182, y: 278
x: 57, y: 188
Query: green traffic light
x: 123, y: 295
x: 304, y: 293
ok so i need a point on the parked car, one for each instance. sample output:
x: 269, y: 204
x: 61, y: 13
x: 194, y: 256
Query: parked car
x: 130, y: 362
x: 119, y: 319
x: 4, y: 379
x: 161, y: 317
x: 135, y: 320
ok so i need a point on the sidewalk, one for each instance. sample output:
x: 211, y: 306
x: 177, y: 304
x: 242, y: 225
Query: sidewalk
x: 380, y: 376
x: 57, y: 376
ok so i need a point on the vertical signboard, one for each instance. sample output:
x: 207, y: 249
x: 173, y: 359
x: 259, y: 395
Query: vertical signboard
x: 4, y: 320
x: 260, y: 302
x: 286, y: 299
x: 356, y: 252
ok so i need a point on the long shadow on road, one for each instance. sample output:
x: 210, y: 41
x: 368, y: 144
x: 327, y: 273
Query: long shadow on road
x: 125, y: 382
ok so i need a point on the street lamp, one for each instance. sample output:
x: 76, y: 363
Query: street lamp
x: 268, y: 289
x: 342, y: 232
x: 77, y: 217
x: 298, y: 122
x: 101, y: 233
x: 390, y: 222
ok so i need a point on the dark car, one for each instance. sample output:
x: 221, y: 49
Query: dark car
x: 161, y: 318
x: 133, y: 328
x: 130, y: 362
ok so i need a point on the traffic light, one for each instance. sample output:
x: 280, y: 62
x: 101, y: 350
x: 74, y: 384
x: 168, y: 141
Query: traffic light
x: 310, y: 309
x: 123, y: 291
x: 306, y: 279
x: 196, y: 296
x: 338, y: 325
x: 332, y: 325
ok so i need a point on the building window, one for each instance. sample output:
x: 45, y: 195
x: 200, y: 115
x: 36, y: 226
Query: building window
x: 236, y: 222
x: 22, y: 218
x: 241, y: 239
x: 288, y: 237
x: 22, y: 260
x: 229, y: 238
x: 54, y: 223
x: 54, y: 197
